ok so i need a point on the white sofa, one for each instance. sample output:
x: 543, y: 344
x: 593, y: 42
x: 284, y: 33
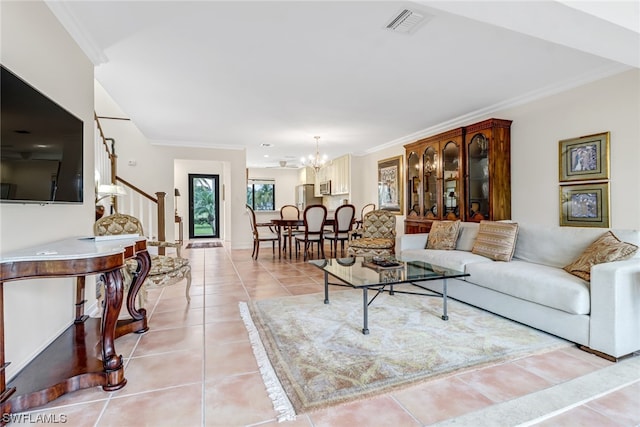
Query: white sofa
x: 533, y: 288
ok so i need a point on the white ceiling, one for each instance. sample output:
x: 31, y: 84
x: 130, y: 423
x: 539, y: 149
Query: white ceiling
x: 239, y: 74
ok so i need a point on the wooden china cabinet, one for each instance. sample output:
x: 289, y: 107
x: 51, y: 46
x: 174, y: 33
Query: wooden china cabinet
x: 436, y: 181
x: 460, y: 174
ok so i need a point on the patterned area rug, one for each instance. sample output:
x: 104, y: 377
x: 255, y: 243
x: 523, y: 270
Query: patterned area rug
x: 313, y: 355
x: 204, y: 245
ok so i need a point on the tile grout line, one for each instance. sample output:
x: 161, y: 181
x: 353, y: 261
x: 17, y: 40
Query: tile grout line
x: 203, y: 397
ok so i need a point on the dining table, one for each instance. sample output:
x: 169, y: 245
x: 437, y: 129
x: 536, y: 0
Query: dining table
x: 289, y: 225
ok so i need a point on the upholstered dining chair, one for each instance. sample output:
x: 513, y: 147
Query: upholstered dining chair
x: 290, y: 212
x: 342, y: 225
x: 314, y: 218
x: 262, y: 232
x: 357, y: 231
x: 165, y: 270
x: 378, y: 235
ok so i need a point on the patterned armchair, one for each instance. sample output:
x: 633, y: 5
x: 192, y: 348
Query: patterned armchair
x: 378, y: 235
x: 165, y: 270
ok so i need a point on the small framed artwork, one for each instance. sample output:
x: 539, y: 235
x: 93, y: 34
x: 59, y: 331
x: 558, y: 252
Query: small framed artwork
x: 585, y: 205
x: 390, y: 179
x: 585, y: 158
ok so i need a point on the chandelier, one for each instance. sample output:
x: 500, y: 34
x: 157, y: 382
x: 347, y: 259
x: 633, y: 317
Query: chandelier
x: 317, y: 161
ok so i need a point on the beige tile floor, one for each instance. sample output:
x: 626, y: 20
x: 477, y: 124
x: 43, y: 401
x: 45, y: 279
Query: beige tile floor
x: 195, y: 366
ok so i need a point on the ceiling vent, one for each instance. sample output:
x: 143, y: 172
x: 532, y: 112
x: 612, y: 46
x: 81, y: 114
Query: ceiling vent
x: 407, y: 21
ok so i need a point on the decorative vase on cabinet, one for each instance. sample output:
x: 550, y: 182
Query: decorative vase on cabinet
x: 460, y: 174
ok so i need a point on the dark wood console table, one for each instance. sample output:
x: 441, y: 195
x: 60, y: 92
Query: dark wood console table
x: 84, y: 355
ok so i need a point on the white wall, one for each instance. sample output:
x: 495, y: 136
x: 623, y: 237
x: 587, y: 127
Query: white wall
x: 611, y: 104
x: 163, y: 168
x: 38, y: 49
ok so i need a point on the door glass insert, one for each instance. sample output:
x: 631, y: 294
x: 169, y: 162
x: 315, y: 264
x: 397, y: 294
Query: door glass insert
x: 204, y: 206
x: 413, y: 184
x: 430, y: 167
x: 451, y: 175
x: 478, y: 178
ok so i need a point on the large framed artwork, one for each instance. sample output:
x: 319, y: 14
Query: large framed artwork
x: 585, y: 158
x: 390, y: 190
x: 585, y: 205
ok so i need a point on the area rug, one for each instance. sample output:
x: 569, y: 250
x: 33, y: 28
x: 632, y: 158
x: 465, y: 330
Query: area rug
x: 313, y: 355
x: 204, y: 245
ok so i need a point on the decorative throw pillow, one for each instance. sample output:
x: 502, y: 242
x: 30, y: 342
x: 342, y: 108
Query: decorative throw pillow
x: 496, y: 240
x: 443, y: 235
x: 606, y: 248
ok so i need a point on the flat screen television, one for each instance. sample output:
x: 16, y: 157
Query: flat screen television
x: 41, y: 146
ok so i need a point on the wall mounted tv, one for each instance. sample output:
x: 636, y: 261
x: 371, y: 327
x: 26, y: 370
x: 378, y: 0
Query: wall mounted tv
x: 41, y: 146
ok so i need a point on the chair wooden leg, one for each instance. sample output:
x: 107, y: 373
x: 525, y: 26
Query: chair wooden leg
x: 257, y: 248
x: 188, y: 275
x: 321, y: 247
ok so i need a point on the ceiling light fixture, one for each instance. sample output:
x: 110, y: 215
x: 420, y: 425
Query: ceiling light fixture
x: 316, y: 162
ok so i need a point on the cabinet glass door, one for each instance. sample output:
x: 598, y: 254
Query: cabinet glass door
x: 478, y: 153
x: 430, y: 188
x: 451, y: 175
x: 413, y: 184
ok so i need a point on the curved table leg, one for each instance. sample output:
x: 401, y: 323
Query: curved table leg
x: 112, y: 362
x: 144, y: 264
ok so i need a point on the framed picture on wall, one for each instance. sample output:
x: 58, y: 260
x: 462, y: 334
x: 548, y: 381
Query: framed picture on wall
x: 585, y: 158
x: 390, y: 189
x: 585, y: 205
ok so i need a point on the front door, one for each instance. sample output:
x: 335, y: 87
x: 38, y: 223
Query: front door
x: 204, y: 206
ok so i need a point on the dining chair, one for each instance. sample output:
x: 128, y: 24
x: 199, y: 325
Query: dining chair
x: 290, y: 212
x: 165, y: 270
x: 314, y: 218
x: 262, y: 232
x: 357, y: 231
x: 378, y: 235
x: 342, y: 225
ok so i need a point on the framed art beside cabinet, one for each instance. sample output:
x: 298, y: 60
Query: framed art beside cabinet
x: 390, y: 189
x: 585, y: 158
x: 585, y: 205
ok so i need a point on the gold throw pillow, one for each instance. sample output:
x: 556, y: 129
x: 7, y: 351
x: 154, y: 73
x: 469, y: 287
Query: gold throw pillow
x: 496, y: 240
x: 606, y: 248
x: 443, y: 235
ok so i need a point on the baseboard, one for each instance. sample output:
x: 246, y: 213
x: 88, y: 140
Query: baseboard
x: 604, y: 355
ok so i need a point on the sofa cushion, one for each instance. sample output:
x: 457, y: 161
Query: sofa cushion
x: 496, y: 240
x: 558, y: 246
x: 606, y: 248
x: 467, y: 235
x: 455, y: 260
x: 443, y: 235
x: 549, y: 286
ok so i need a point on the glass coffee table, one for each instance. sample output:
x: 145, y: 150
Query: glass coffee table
x: 380, y: 275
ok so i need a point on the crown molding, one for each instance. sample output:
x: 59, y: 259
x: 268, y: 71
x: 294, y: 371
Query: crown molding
x: 88, y: 45
x: 483, y: 113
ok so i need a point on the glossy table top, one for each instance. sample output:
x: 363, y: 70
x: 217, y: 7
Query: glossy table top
x: 71, y: 248
x: 360, y: 272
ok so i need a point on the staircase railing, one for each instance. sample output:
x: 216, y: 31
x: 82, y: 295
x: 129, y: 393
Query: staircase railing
x: 148, y: 209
